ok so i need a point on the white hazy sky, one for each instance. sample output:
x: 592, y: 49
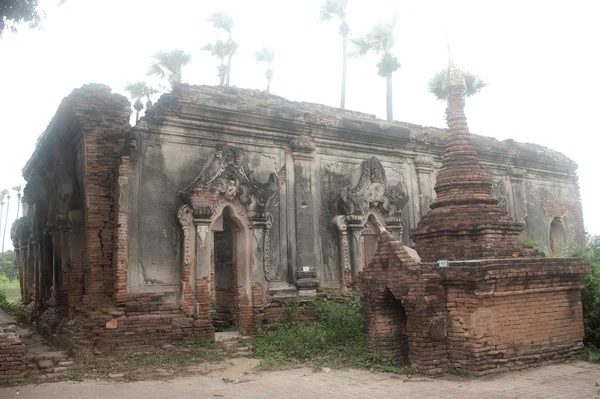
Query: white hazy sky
x: 541, y: 59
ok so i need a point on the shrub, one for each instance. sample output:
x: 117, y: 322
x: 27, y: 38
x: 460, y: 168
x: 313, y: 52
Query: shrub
x: 9, y: 307
x: 590, y: 296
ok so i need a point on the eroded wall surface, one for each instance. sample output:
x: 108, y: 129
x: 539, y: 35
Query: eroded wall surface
x: 115, y: 244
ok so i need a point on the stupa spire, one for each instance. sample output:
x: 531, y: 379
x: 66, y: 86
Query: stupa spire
x: 465, y: 221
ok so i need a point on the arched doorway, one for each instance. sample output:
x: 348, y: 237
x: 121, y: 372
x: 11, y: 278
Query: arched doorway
x: 230, y: 270
x: 557, y: 236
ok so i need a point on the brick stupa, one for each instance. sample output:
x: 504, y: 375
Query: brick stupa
x: 466, y: 220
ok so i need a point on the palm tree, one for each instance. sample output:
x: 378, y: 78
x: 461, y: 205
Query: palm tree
x: 221, y: 50
x: 266, y: 55
x: 17, y: 189
x: 473, y: 82
x: 168, y: 64
x: 329, y: 10
x: 5, y: 220
x: 380, y: 39
x: 223, y: 20
x: 137, y: 91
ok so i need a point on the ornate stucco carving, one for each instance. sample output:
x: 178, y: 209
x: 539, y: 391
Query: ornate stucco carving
x: 342, y: 226
x: 302, y: 144
x: 227, y: 177
x: 424, y: 161
x: 373, y: 191
x: 266, y: 248
x: 371, y: 196
x: 182, y: 216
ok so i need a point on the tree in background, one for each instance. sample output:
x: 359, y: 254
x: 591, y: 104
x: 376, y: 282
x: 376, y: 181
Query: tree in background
x: 168, y: 64
x: 137, y: 91
x: 590, y: 295
x: 223, y: 20
x: 266, y: 55
x: 17, y: 189
x: 221, y: 50
x: 380, y: 40
x: 5, y: 221
x: 14, y: 12
x: 337, y: 9
x: 9, y: 266
x: 473, y: 82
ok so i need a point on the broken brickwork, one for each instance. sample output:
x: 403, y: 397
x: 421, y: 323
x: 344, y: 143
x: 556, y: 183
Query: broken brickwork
x: 498, y: 305
x: 514, y: 313
x: 12, y: 351
x: 465, y: 221
x: 476, y: 317
x: 117, y: 246
x: 404, y: 306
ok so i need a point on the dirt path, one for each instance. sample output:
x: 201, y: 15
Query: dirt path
x: 570, y: 380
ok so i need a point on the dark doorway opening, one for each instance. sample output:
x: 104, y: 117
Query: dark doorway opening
x: 397, y: 338
x: 558, y: 237
x: 225, y: 275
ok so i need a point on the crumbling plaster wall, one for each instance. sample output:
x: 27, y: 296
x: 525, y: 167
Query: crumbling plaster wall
x: 178, y: 135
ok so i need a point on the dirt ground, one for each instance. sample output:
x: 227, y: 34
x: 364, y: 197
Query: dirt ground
x: 235, y: 379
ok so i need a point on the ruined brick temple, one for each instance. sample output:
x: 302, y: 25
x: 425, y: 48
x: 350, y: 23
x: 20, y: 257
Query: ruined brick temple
x: 218, y: 205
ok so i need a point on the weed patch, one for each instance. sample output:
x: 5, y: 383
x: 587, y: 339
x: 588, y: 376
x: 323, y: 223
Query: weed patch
x: 336, y: 339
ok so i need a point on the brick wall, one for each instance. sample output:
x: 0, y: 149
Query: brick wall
x: 12, y: 355
x: 508, y: 315
x: 404, y: 306
x: 478, y: 317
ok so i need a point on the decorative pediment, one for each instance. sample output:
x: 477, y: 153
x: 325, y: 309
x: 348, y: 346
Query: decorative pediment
x: 227, y: 177
x: 373, y: 191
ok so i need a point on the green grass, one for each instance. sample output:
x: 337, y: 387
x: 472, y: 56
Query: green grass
x: 11, y: 289
x: 591, y: 354
x: 335, y: 340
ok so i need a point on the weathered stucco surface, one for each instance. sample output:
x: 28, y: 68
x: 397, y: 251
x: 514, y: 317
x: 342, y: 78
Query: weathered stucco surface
x: 307, y: 188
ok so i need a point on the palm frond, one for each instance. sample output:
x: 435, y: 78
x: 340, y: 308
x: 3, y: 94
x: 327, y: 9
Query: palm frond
x: 436, y: 86
x: 265, y: 55
x: 473, y: 83
x: 207, y: 47
x: 331, y: 8
x: 155, y: 69
x: 381, y: 38
x: 221, y: 20
x: 139, y: 89
x: 170, y: 61
x: 361, y: 47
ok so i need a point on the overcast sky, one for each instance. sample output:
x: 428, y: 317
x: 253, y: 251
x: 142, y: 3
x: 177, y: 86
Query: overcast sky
x: 541, y: 59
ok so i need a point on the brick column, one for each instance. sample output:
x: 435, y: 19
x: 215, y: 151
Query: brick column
x: 61, y: 281
x: 75, y: 247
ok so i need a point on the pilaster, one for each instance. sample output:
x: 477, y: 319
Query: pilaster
x: 303, y: 155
